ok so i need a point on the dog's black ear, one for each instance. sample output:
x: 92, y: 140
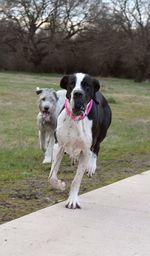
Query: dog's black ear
x: 96, y: 84
x: 64, y: 82
x: 96, y: 88
x: 38, y: 90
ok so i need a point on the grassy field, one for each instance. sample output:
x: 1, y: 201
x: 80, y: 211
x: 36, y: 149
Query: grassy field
x: 23, y: 179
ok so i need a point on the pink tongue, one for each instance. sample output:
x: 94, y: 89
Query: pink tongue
x: 45, y: 114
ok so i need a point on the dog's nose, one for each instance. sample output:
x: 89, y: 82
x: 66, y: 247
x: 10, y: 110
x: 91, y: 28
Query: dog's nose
x: 78, y: 94
x: 46, y: 108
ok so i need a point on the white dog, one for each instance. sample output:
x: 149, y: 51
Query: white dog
x: 50, y: 105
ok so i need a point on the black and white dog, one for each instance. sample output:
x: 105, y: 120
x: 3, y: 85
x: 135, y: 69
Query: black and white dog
x: 81, y: 127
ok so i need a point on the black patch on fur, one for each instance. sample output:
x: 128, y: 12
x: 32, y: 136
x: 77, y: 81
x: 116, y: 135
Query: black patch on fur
x: 68, y: 83
x: 76, y: 207
x: 90, y: 85
x: 101, y: 116
x: 39, y: 91
x: 55, y: 95
x: 55, y: 136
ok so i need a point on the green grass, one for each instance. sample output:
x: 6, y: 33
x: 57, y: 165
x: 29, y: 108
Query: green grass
x: 23, y: 179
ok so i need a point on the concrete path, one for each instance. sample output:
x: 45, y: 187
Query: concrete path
x: 113, y: 221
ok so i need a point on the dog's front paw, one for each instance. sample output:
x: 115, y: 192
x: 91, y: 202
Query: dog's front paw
x: 47, y: 160
x: 57, y: 184
x: 73, y: 202
x: 90, y: 172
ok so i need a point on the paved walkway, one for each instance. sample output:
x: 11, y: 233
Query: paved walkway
x: 113, y: 221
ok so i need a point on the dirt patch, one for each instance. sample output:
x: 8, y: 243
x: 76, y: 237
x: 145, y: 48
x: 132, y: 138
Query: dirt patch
x: 24, y: 196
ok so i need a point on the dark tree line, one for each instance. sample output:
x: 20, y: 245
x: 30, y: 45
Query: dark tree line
x: 99, y: 37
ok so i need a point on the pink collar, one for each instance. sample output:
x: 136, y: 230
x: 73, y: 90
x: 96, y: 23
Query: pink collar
x: 77, y: 118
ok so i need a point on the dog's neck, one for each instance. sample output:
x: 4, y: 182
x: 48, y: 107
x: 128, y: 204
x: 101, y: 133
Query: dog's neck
x: 78, y: 118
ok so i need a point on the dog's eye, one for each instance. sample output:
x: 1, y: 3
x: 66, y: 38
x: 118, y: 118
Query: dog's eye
x: 43, y: 99
x: 85, y: 85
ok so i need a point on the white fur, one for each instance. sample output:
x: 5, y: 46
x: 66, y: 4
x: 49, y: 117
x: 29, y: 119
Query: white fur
x: 49, y: 149
x: 79, y: 78
x: 91, y: 168
x: 61, y: 94
x: 74, y: 138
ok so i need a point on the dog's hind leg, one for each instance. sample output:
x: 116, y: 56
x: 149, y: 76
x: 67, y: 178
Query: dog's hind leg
x: 57, y: 157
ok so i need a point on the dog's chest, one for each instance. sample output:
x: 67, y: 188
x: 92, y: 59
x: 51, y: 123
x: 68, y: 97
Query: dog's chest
x: 46, y: 125
x: 74, y: 136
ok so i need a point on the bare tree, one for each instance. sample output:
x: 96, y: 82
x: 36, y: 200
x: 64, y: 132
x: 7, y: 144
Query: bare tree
x: 110, y: 37
x: 42, y: 21
x: 133, y: 16
x: 31, y: 17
